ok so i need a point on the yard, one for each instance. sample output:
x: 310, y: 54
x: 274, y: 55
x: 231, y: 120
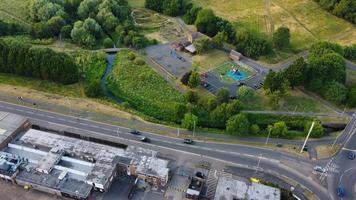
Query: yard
x: 210, y: 59
x: 307, y: 21
x: 143, y: 88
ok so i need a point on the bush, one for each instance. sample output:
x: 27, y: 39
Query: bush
x: 131, y: 56
x: 279, y: 129
x: 255, y: 129
x: 138, y: 61
x: 317, y: 131
x: 108, y: 43
x: 185, y: 78
x: 65, y: 31
x: 238, y: 124
x: 93, y: 89
x: 190, y: 121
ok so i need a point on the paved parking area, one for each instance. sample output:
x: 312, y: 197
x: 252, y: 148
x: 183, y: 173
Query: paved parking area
x: 172, y: 61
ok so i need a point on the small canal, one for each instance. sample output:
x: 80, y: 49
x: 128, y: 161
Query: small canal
x: 110, y: 59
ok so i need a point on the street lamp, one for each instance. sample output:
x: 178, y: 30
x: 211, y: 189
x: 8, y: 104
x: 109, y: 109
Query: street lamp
x: 70, y: 105
x: 269, y: 132
x: 306, y: 139
x: 194, y: 128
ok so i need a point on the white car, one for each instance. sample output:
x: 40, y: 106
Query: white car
x: 319, y: 169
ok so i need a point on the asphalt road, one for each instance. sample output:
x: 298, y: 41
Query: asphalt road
x: 298, y: 169
x: 346, y: 175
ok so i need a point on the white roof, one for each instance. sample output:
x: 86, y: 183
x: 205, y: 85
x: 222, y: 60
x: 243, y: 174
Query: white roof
x: 191, y: 48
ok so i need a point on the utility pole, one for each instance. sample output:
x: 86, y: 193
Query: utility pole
x: 70, y: 105
x: 269, y: 132
x: 118, y: 131
x: 258, y: 163
x: 178, y: 132
x: 306, y: 139
x: 194, y: 129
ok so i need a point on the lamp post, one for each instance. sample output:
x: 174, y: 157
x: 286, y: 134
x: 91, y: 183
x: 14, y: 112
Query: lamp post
x: 306, y: 139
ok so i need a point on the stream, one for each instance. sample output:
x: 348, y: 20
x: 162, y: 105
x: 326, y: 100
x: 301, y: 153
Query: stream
x: 110, y: 63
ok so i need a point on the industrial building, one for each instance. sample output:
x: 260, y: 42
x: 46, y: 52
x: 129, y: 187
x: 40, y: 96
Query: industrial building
x: 69, y: 166
x: 232, y: 189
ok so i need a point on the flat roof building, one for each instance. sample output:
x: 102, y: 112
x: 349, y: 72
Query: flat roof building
x: 10, y: 126
x: 232, y: 189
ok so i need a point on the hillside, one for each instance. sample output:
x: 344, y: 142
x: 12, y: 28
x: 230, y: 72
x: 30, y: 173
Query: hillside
x: 306, y: 20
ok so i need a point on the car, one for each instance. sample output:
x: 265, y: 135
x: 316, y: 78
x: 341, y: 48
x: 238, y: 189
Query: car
x: 188, y: 141
x: 340, y: 191
x: 135, y: 132
x: 305, y: 148
x: 200, y: 175
x: 319, y: 169
x: 145, y: 139
x: 351, y: 155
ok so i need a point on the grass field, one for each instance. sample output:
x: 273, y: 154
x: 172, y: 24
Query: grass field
x: 143, y: 88
x: 307, y: 21
x: 297, y: 101
x: 210, y: 59
x: 14, y: 11
x: 137, y: 3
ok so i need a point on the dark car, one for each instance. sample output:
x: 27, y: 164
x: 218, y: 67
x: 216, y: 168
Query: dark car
x: 305, y: 148
x: 145, y: 139
x: 135, y: 132
x: 351, y: 155
x: 189, y: 141
x: 340, y: 191
x: 200, y: 175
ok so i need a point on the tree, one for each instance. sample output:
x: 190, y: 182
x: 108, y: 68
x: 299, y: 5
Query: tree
x: 321, y: 48
x: 318, y: 129
x: 194, y: 79
x: 219, y: 116
x: 93, y: 89
x: 281, y: 38
x: 245, y: 93
x: 172, y: 7
x: 88, y: 8
x: 279, y: 129
x: 336, y: 92
x: 203, y: 45
x: 238, y: 124
x: 351, y: 100
x: 223, y: 96
x: 296, y: 73
x: 191, y: 97
x: 276, y: 81
x: 191, y: 15
x: 206, y: 22
x: 108, y: 43
x: 43, y: 10
x: 274, y: 98
x: 65, y: 31
x: 189, y: 121
x: 255, y: 129
x: 179, y: 111
x: 218, y: 40
x: 41, y: 30
x: 350, y: 52
x: 252, y: 44
x: 55, y: 24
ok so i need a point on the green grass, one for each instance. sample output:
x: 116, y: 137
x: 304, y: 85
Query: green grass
x: 143, y: 88
x: 211, y: 59
x: 297, y: 100
x: 14, y: 11
x: 225, y: 67
x: 307, y: 21
x: 137, y: 3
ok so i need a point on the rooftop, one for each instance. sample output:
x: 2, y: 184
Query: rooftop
x: 9, y: 123
x: 231, y: 189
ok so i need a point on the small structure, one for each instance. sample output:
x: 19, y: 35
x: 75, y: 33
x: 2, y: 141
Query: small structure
x: 191, y: 49
x: 235, y: 56
x: 193, y: 36
x: 194, y: 189
x: 232, y: 189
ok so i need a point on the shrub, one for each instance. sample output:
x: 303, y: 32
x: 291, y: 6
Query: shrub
x: 108, y: 43
x: 138, y: 61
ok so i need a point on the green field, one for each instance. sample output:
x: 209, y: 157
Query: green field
x: 143, y: 88
x: 14, y: 11
x: 307, y: 21
x: 137, y: 3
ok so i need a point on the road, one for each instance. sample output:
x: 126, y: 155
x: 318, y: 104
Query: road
x: 275, y: 162
x: 346, y: 174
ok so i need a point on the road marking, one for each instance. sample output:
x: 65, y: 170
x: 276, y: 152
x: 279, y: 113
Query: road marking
x: 346, y: 149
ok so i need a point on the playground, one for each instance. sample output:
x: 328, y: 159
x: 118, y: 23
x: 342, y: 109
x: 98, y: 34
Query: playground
x: 232, y: 72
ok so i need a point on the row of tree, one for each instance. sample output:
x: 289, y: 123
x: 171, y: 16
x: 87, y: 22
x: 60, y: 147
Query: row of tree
x: 323, y: 73
x: 11, y: 29
x: 342, y: 8
x: 42, y: 63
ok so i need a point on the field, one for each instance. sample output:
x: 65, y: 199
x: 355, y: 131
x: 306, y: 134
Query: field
x: 14, y: 11
x: 307, y: 21
x: 297, y: 101
x: 143, y: 88
x: 137, y: 3
x: 211, y: 59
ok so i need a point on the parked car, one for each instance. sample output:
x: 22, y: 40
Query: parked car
x: 340, y: 191
x: 319, y: 169
x: 188, y: 141
x: 145, y: 139
x: 200, y: 175
x: 305, y: 148
x: 135, y: 132
x: 351, y: 155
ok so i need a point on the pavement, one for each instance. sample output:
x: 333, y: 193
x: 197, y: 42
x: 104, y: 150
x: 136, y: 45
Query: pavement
x: 244, y: 156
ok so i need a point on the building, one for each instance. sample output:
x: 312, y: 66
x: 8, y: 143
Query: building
x: 232, y: 189
x: 10, y: 126
x: 72, y: 167
x: 186, y: 43
x: 235, y: 56
x: 194, y: 189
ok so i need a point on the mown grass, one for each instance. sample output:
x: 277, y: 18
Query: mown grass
x: 137, y: 3
x: 307, y: 21
x: 211, y: 59
x: 143, y: 88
